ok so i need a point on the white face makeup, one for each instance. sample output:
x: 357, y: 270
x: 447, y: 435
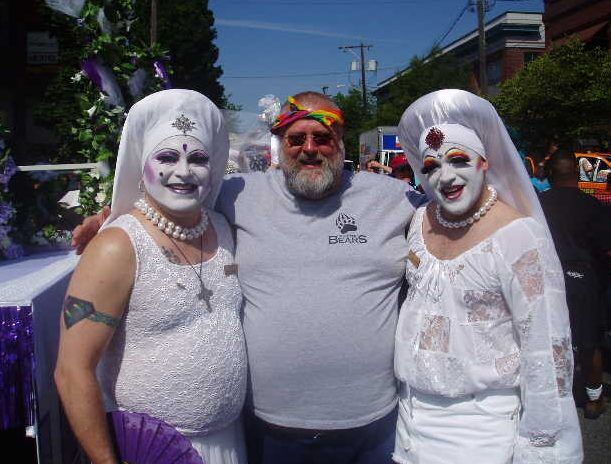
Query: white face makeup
x: 177, y: 174
x: 456, y: 177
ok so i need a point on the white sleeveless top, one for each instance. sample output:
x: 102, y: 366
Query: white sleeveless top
x: 173, y: 356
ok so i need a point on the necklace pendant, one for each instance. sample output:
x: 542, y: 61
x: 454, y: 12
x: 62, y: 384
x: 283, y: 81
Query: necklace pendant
x: 205, y: 295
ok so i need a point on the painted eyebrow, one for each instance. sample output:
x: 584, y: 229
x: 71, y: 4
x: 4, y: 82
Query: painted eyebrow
x: 167, y: 151
x: 428, y: 162
x: 429, y: 165
x: 457, y: 153
x: 199, y: 156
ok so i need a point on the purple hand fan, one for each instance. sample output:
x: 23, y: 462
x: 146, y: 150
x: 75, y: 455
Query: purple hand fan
x: 142, y: 439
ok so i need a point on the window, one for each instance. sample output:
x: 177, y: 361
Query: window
x: 529, y: 57
x: 494, y: 70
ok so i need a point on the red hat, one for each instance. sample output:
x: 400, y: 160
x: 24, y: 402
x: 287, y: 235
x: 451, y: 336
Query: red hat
x: 398, y: 162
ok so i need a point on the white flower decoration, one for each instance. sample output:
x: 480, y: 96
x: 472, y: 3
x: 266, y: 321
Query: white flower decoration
x: 100, y: 198
x: 77, y: 77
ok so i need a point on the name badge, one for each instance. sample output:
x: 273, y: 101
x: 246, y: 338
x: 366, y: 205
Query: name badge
x: 413, y: 258
x: 231, y: 269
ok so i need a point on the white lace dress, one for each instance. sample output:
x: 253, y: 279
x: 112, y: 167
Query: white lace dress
x: 492, y: 319
x: 178, y: 357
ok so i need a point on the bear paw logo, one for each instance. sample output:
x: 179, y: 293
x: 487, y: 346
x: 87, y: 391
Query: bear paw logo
x: 345, y: 223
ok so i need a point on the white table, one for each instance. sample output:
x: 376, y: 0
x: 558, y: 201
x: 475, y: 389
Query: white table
x: 36, y: 285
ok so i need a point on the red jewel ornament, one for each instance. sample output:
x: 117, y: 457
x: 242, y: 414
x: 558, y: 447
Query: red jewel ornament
x: 434, y: 138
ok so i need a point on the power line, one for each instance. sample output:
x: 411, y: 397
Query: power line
x: 334, y: 73
x: 329, y: 3
x: 487, y: 5
x: 452, y: 26
x: 286, y: 75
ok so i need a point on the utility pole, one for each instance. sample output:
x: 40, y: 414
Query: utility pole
x: 153, y: 29
x: 362, y: 61
x: 481, y: 18
x: 363, y: 78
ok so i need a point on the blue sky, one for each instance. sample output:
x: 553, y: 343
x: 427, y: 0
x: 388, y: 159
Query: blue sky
x: 281, y: 47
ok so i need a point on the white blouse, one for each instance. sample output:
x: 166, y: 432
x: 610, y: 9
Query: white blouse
x: 494, y: 317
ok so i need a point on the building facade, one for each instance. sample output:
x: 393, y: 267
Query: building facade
x: 513, y: 39
x: 587, y: 19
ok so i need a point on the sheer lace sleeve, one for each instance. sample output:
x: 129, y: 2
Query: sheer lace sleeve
x: 533, y: 286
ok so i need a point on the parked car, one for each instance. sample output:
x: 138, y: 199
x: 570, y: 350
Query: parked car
x: 595, y: 175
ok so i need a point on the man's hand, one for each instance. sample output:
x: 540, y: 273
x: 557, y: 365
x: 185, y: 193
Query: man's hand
x: 380, y: 167
x: 83, y: 234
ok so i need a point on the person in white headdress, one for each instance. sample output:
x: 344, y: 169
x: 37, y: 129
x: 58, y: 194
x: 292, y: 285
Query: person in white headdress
x: 154, y: 303
x: 483, y: 344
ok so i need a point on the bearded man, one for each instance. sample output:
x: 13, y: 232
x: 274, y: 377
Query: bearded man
x: 321, y: 255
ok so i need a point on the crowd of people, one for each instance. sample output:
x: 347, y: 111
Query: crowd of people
x: 309, y: 314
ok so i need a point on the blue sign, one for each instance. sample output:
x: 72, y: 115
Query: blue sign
x: 390, y: 142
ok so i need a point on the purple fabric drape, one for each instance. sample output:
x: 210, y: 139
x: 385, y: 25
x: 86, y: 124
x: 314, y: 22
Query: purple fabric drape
x: 162, y: 73
x: 17, y: 405
x: 91, y: 67
x: 104, y: 80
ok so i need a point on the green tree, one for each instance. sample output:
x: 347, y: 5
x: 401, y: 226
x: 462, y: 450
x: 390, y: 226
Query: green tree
x: 357, y: 119
x: 562, y: 96
x: 185, y: 28
x: 424, y: 75
x: 85, y: 120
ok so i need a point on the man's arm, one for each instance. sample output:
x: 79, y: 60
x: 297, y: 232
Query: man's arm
x: 84, y: 233
x: 94, y: 304
x: 381, y: 167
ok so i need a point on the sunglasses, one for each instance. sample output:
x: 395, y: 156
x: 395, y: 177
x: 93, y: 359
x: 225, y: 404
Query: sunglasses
x: 298, y: 140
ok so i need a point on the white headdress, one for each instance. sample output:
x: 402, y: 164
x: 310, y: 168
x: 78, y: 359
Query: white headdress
x: 437, y: 140
x: 159, y: 116
x: 457, y: 107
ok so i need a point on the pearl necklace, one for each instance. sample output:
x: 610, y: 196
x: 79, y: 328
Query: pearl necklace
x: 470, y: 220
x: 168, y: 227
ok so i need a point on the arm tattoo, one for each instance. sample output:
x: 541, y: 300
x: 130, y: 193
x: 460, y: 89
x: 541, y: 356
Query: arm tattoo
x: 172, y: 257
x: 75, y: 310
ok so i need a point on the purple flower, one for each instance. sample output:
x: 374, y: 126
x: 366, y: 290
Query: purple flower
x: 10, y: 168
x: 6, y: 212
x: 4, y: 230
x: 14, y: 251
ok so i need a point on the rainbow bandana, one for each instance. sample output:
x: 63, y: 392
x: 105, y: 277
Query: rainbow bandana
x: 296, y: 111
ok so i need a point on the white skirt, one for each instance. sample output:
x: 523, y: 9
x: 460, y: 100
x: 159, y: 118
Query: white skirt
x: 479, y: 428
x: 225, y: 446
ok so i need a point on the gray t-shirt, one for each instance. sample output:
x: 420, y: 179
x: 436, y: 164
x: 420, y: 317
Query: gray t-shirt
x: 321, y: 281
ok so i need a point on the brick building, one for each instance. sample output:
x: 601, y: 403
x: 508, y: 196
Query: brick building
x: 513, y: 39
x: 587, y: 19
